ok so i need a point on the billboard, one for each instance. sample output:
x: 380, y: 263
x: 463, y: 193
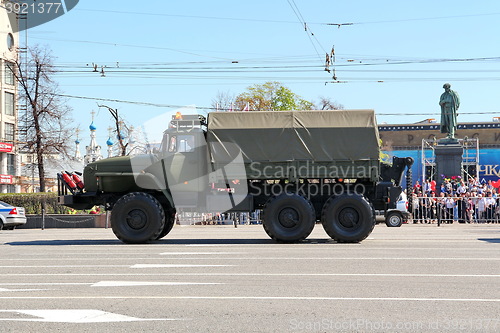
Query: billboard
x: 6, y: 147
x: 6, y: 179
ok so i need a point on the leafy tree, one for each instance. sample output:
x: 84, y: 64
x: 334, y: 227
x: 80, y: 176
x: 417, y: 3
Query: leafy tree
x: 271, y: 96
x: 46, y: 121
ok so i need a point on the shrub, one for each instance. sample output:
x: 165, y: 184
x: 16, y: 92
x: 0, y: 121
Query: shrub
x: 33, y: 202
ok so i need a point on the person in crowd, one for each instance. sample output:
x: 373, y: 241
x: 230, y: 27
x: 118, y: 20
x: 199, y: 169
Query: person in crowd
x: 441, y: 206
x: 416, y: 187
x: 425, y: 206
x: 474, y: 206
x: 490, y: 205
x: 461, y: 189
x: 461, y: 204
x: 448, y: 186
x: 427, y: 186
x: 449, y: 205
x: 416, y: 208
x: 433, y: 207
x: 480, y: 208
x: 468, y: 208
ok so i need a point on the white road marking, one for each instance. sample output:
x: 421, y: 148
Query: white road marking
x: 13, y: 290
x: 75, y: 316
x: 62, y: 266
x: 198, y: 253
x: 253, y: 274
x: 333, y: 258
x: 173, y: 266
x: 251, y: 258
x: 146, y: 283
x: 276, y: 298
x: 43, y: 284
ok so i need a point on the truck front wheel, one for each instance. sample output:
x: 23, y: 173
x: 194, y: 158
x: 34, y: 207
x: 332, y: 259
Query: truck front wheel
x: 348, y: 218
x: 169, y: 224
x: 288, y: 218
x: 137, y: 218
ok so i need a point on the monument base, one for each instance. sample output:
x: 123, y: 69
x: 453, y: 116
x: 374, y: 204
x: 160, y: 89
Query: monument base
x: 449, y: 154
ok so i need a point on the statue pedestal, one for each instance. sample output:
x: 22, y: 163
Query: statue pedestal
x: 448, y: 158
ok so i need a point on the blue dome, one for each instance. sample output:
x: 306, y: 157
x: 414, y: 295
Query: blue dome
x: 109, y: 142
x: 92, y: 127
x: 77, y: 141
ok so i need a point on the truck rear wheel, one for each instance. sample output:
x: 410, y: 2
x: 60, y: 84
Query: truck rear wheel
x: 348, y: 218
x: 288, y: 218
x: 137, y: 218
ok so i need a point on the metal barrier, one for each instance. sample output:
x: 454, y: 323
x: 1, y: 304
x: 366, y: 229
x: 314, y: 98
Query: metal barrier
x: 239, y: 218
x: 43, y: 221
x: 463, y: 209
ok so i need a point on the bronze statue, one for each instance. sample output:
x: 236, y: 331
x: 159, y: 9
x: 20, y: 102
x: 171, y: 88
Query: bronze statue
x: 450, y: 102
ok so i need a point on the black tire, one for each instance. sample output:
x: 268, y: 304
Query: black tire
x: 394, y: 219
x: 137, y: 218
x: 288, y: 218
x: 169, y: 224
x: 1, y: 225
x: 348, y: 218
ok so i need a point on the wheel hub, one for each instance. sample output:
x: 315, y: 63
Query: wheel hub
x: 288, y: 217
x: 394, y: 220
x: 348, y: 217
x: 137, y: 219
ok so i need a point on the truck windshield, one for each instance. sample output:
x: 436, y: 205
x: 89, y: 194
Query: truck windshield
x: 178, y: 143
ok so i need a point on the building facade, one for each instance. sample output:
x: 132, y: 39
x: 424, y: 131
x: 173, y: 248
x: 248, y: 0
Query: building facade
x: 9, y: 46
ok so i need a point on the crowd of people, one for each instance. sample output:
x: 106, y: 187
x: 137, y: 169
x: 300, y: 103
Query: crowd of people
x: 456, y: 200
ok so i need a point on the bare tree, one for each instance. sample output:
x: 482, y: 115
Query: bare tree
x: 119, y: 128
x: 224, y: 101
x: 46, y: 121
x: 325, y: 103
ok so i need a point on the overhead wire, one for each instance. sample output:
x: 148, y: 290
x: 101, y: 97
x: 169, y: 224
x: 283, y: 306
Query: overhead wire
x: 213, y: 108
x: 301, y: 19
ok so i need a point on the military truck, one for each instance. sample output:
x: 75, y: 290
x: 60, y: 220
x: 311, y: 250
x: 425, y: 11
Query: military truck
x: 299, y: 167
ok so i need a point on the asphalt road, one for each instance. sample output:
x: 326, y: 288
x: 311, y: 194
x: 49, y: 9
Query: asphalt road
x: 417, y: 278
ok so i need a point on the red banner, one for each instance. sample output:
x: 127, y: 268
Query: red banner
x: 6, y: 147
x: 6, y: 179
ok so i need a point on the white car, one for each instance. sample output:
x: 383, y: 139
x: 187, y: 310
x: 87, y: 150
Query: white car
x: 399, y: 215
x: 10, y: 216
x: 395, y: 217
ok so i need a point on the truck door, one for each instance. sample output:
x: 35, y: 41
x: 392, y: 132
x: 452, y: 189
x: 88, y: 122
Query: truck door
x: 187, y: 169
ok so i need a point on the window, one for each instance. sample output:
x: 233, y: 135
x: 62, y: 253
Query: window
x: 181, y: 144
x: 186, y: 143
x: 9, y: 73
x: 11, y: 164
x: 172, y: 146
x: 10, y: 41
x: 9, y: 132
x: 9, y: 104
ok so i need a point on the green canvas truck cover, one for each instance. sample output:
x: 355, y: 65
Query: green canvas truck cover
x: 281, y: 136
